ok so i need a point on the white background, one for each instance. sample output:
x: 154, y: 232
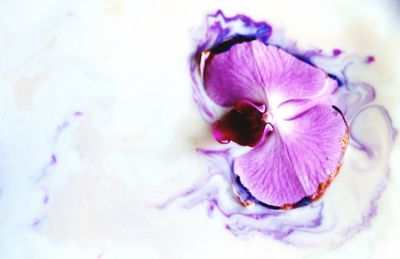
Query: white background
x: 124, y: 66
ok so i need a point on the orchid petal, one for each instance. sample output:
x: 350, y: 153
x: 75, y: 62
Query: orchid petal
x: 262, y: 74
x: 297, y: 158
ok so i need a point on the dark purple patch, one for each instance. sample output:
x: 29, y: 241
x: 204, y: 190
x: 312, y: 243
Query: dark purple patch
x: 338, y: 81
x: 263, y: 30
x: 226, y: 45
x: 336, y: 52
x: 370, y: 59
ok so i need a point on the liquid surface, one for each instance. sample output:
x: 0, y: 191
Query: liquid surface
x: 98, y: 128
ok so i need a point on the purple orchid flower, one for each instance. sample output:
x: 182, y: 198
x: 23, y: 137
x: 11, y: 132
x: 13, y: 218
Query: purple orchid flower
x: 282, y: 108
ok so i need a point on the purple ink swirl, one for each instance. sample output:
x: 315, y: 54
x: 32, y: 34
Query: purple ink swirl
x: 349, y: 205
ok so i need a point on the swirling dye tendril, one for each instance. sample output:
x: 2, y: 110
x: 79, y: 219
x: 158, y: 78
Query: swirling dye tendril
x: 349, y: 205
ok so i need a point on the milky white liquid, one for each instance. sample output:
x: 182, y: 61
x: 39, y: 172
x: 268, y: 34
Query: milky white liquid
x: 124, y: 66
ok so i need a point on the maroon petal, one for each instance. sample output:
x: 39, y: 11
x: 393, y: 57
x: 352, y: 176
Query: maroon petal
x: 245, y: 125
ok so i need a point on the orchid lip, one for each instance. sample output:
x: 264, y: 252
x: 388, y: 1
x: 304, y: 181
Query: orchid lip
x: 246, y: 124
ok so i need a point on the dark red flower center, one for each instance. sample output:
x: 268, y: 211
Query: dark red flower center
x: 244, y: 124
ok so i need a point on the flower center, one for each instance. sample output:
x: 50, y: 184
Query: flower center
x: 245, y: 124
